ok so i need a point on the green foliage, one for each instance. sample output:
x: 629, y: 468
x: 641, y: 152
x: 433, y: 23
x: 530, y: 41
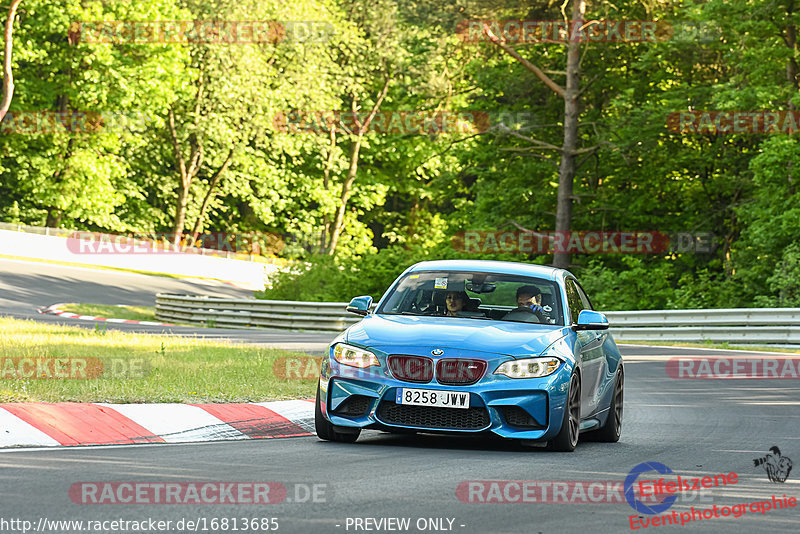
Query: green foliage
x: 329, y: 279
x: 634, y: 284
x: 78, y: 180
x: 413, y: 192
x: 785, y: 281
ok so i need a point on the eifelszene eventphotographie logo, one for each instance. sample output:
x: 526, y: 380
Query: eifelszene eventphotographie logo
x: 630, y: 487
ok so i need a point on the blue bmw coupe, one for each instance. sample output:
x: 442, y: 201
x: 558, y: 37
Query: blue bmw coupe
x: 471, y: 347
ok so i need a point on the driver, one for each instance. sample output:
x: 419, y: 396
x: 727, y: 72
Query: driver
x: 529, y: 300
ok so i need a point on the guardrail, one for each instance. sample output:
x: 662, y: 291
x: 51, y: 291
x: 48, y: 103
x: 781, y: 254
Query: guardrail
x: 735, y: 325
x: 252, y: 313
x: 738, y: 325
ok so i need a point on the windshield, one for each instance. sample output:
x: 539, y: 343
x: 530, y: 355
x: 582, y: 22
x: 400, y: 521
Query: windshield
x: 476, y: 295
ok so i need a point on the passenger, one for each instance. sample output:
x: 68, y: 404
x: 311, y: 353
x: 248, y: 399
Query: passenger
x: 455, y: 301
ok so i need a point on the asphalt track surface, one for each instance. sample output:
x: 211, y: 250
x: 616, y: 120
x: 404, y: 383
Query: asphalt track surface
x: 696, y: 427
x: 27, y: 286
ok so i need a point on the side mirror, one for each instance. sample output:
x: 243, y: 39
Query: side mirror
x: 360, y: 305
x: 591, y: 320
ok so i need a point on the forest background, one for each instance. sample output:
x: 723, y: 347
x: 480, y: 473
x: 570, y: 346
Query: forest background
x: 307, y: 139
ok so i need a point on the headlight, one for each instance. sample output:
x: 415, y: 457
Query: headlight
x: 529, y: 367
x: 354, y: 357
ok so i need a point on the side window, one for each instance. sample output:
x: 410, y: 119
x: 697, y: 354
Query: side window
x: 584, y: 299
x: 573, y: 300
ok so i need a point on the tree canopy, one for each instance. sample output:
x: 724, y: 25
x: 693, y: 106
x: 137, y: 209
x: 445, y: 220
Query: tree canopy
x: 370, y: 135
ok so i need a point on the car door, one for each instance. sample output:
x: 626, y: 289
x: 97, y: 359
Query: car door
x: 599, y: 357
x: 589, y: 348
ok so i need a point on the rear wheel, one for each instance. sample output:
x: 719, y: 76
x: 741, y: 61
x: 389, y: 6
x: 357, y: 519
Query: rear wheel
x: 567, y: 438
x: 612, y: 428
x: 330, y: 432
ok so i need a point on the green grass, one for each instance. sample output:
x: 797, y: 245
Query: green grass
x: 134, y: 313
x: 177, y: 369
x: 711, y: 345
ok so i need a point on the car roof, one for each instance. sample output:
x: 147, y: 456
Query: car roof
x: 490, y: 266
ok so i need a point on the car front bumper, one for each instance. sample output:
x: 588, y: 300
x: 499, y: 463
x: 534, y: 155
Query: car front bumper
x: 529, y: 409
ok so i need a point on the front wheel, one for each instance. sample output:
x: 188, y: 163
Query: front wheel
x: 330, y: 432
x: 567, y: 438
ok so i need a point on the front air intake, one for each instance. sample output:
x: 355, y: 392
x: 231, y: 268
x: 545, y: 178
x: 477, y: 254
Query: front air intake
x: 459, y: 371
x: 417, y: 369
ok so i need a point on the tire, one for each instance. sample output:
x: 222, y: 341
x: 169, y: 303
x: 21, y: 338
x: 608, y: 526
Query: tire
x: 567, y: 438
x: 328, y: 431
x: 612, y: 428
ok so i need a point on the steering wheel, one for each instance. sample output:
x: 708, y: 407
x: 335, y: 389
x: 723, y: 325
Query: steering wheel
x: 522, y: 316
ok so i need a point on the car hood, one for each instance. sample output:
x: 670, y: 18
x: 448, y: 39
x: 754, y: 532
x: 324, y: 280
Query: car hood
x: 383, y: 332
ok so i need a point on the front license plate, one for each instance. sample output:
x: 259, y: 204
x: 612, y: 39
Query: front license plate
x: 432, y: 397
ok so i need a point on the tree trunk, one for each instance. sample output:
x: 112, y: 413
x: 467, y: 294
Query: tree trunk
x: 570, y: 93
x: 347, y: 187
x: 187, y: 174
x: 566, y: 170
x: 791, y: 42
x: 8, y: 78
x: 180, y: 215
x: 352, y: 171
x: 326, y: 223
x: 54, y: 216
x: 209, y: 194
x: 791, y: 75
